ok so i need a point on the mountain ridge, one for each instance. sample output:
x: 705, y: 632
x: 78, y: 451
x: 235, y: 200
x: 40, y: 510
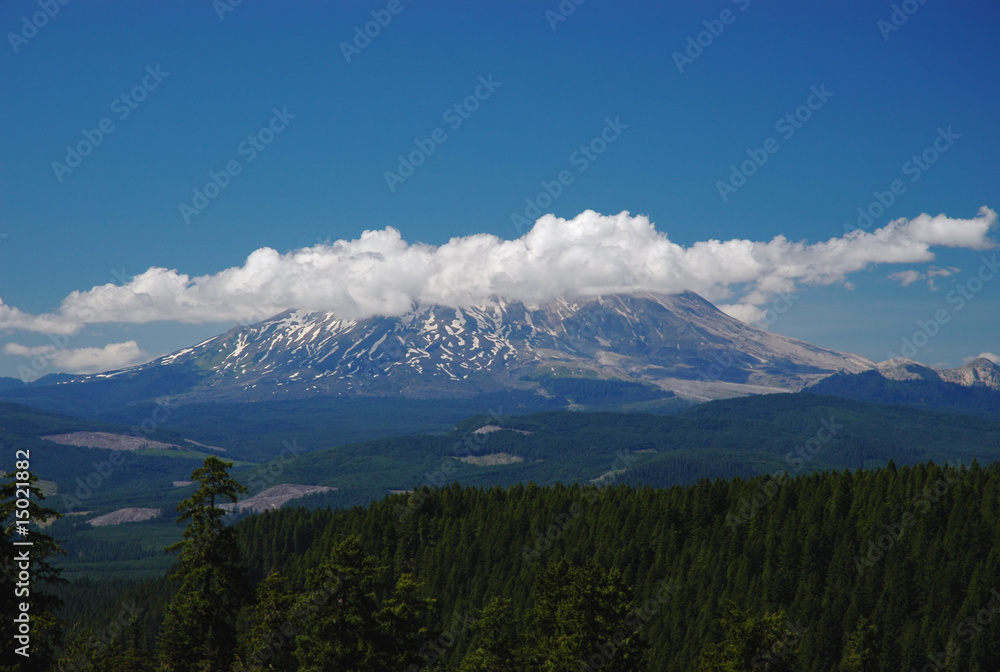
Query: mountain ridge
x: 678, y: 342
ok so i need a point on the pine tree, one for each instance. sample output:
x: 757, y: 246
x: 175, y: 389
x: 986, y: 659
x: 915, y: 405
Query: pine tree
x: 763, y: 643
x: 199, y: 631
x: 22, y: 585
x: 353, y: 617
x: 860, y: 654
x: 268, y: 641
x: 497, y: 641
x: 583, y: 619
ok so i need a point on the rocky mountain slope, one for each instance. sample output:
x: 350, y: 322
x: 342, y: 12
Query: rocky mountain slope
x: 676, y: 342
x: 980, y: 372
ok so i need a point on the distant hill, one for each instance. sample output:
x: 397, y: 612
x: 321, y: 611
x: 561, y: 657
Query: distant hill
x: 980, y: 372
x: 919, y: 390
x: 898, y: 565
x: 750, y: 436
x: 10, y: 383
x: 743, y: 437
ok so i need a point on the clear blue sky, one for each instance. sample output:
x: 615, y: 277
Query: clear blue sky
x: 323, y: 176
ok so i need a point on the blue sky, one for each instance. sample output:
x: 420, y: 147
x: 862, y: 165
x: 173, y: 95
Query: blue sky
x: 278, y: 71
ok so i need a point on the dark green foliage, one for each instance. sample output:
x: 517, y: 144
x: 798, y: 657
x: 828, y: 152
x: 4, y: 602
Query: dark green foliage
x: 21, y: 525
x: 199, y: 630
x: 267, y: 641
x: 860, y: 653
x: 801, y: 572
x: 497, y: 642
x: 580, y: 620
x: 354, y: 616
x: 842, y: 571
x: 765, y: 643
x: 864, y: 570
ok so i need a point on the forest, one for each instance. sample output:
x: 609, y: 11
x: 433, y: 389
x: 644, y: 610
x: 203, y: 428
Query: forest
x: 888, y: 569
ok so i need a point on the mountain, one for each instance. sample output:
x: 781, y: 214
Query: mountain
x: 970, y: 390
x: 10, y: 383
x: 978, y: 372
x: 903, y: 368
x: 673, y: 342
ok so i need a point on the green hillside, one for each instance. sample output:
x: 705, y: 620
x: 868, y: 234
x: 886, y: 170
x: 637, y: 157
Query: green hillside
x: 796, y: 434
x: 885, y: 570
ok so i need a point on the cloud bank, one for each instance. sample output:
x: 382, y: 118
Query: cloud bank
x: 993, y: 357
x: 381, y: 274
x: 79, y: 360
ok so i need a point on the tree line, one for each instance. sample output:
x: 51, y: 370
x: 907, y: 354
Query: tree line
x: 894, y: 569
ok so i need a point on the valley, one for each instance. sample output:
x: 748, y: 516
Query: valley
x: 619, y: 394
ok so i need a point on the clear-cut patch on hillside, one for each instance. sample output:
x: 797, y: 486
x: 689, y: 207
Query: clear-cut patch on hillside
x: 276, y: 497
x: 127, y: 515
x: 491, y: 459
x: 107, y: 441
x: 489, y: 429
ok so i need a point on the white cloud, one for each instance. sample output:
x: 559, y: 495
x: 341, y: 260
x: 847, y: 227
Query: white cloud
x: 80, y: 360
x: 984, y: 355
x: 908, y: 277
x: 380, y: 273
x: 13, y: 318
x: 941, y: 230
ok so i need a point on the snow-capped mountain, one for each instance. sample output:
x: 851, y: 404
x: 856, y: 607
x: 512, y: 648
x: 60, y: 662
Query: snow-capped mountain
x: 979, y: 372
x: 677, y: 342
x: 903, y: 368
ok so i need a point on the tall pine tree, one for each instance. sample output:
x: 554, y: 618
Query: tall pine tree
x: 199, y: 625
